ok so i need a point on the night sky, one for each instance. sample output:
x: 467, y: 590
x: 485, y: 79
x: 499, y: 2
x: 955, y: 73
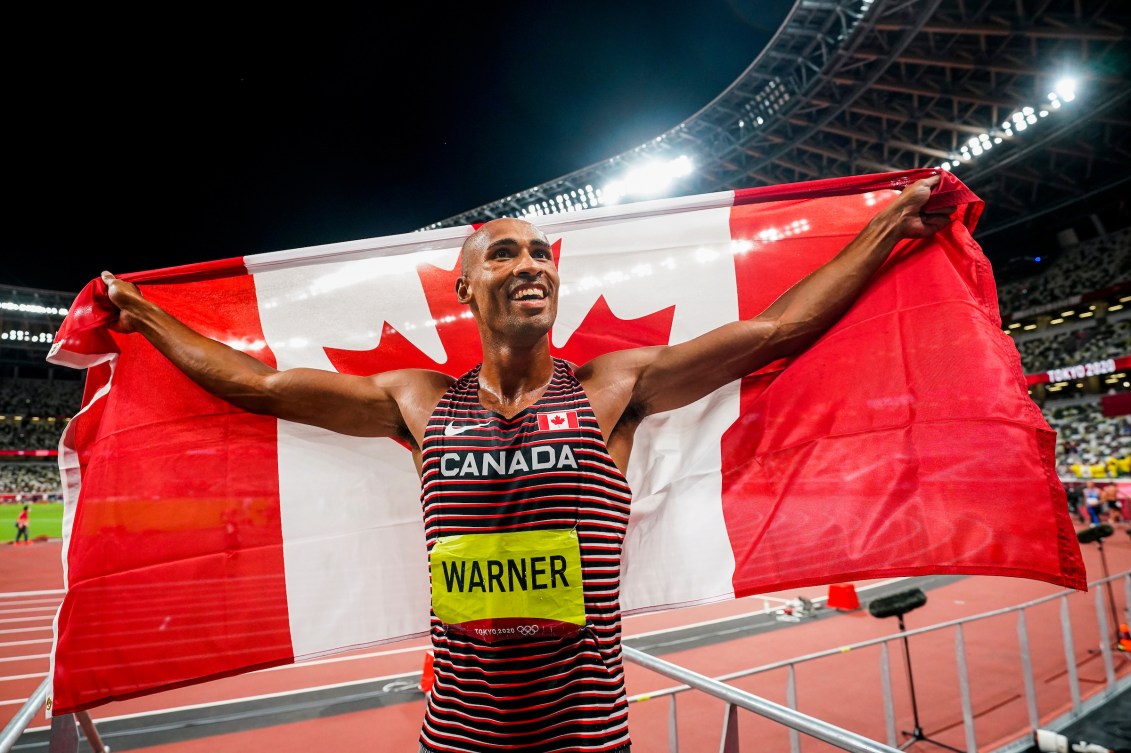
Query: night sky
x: 140, y: 140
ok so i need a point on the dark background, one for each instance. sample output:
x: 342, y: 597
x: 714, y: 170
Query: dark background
x: 148, y: 137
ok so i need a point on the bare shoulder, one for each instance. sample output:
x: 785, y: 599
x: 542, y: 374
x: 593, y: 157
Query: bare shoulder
x: 610, y: 383
x: 616, y: 367
x: 416, y: 393
x: 408, y: 386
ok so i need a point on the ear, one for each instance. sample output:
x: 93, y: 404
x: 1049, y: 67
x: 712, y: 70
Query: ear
x: 462, y: 293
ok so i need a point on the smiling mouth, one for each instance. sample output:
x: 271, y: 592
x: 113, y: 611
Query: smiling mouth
x: 528, y: 293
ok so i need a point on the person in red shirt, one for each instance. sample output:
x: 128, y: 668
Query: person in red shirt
x: 21, y: 525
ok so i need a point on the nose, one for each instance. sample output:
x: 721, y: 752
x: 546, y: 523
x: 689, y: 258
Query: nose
x: 525, y: 264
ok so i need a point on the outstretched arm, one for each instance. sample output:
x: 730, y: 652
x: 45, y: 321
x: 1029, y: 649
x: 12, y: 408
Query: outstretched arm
x: 386, y: 405
x: 651, y: 380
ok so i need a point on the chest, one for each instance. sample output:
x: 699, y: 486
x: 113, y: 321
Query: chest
x: 547, y: 466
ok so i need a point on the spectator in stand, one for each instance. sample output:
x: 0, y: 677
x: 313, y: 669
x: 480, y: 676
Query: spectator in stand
x: 21, y: 525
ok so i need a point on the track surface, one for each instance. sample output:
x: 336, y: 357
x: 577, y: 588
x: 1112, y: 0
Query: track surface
x: 367, y: 700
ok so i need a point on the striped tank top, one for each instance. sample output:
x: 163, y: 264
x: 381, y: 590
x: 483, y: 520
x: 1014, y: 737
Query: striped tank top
x: 524, y: 520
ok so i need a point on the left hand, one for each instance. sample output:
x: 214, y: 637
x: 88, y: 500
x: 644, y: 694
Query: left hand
x: 911, y: 220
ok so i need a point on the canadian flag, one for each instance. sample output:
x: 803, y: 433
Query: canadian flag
x: 557, y: 421
x: 202, y: 541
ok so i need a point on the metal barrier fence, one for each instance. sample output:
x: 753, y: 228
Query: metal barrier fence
x: 1101, y: 596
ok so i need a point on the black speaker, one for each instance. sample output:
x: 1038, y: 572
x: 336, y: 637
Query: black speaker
x: 1095, y: 533
x: 897, y: 604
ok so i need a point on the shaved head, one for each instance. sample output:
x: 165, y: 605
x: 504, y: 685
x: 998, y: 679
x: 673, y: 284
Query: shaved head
x: 478, y: 241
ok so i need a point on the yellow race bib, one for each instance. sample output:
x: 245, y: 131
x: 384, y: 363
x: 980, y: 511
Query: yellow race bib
x: 509, y: 586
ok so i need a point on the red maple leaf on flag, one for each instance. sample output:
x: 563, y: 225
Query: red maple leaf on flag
x: 557, y: 420
x: 600, y: 332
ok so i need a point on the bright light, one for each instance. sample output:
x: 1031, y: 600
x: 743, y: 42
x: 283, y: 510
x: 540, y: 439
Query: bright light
x: 649, y: 178
x: 1066, y: 88
x: 32, y: 308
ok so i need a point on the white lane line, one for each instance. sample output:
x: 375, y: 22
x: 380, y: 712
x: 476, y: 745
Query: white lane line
x: 28, y: 619
x: 23, y: 630
x: 29, y: 657
x: 33, y: 603
x: 34, y: 675
x: 24, y: 643
x: 213, y: 704
x: 22, y: 594
x: 29, y: 609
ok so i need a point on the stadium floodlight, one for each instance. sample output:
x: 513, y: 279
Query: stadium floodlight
x: 32, y: 308
x: 1065, y: 88
x: 648, y: 178
x: 1018, y: 121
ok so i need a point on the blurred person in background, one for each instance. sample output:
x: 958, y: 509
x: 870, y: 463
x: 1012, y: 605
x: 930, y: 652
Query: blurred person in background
x: 1109, y: 499
x: 1093, y: 502
x: 21, y: 525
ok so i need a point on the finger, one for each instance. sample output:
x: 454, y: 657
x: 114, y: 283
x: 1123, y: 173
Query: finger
x: 929, y: 182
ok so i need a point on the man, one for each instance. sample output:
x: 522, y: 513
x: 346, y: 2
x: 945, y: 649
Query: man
x: 22, y: 525
x: 522, y: 464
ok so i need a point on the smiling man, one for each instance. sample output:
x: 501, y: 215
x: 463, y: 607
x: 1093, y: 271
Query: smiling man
x: 522, y: 464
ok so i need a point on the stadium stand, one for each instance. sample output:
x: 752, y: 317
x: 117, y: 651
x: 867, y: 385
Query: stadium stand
x: 30, y: 434
x: 36, y: 399
x: 35, y: 480
x: 1093, y: 341
x: 1075, y: 311
x: 39, y: 397
x: 1088, y: 444
x: 1093, y: 265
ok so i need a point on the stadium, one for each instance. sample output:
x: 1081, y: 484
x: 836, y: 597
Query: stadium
x: 1027, y: 104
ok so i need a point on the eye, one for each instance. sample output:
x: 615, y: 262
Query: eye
x: 542, y: 253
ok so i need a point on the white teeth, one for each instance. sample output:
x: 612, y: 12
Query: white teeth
x: 528, y: 293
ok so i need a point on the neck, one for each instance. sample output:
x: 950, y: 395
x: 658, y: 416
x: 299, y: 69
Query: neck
x: 511, y: 374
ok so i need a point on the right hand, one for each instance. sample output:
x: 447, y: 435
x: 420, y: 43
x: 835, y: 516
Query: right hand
x: 128, y: 299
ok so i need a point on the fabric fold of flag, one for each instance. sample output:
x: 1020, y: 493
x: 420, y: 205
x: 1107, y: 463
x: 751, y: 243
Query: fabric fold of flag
x: 203, y: 541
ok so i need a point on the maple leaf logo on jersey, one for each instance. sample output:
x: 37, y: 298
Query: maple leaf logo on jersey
x: 558, y: 421
x: 599, y: 333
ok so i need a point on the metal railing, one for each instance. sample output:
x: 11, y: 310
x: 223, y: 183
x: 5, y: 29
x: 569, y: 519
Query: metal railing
x: 64, y: 735
x: 802, y: 723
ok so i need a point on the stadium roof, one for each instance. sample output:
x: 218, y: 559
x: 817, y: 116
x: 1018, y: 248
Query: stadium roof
x: 1027, y: 101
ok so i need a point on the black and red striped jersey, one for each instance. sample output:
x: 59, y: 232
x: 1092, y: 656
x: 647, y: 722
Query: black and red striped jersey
x: 526, y: 657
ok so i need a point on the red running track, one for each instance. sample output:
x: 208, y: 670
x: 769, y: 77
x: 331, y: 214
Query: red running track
x: 844, y: 689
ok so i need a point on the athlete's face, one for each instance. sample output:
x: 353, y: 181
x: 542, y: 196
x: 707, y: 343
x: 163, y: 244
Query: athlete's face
x: 509, y: 279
